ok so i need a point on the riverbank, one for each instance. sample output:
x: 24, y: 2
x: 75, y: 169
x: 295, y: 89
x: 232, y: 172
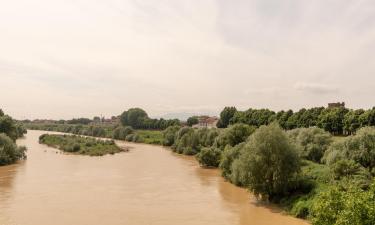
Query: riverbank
x: 81, y: 145
x: 122, y: 188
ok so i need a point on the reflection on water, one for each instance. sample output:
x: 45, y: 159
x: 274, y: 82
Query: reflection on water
x: 146, y: 186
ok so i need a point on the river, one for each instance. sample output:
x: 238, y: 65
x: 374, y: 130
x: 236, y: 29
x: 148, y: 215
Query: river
x: 147, y: 186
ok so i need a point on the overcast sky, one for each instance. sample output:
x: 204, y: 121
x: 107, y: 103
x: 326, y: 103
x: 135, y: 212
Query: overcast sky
x: 73, y: 58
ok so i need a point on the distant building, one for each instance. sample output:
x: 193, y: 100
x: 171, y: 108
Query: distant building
x: 207, y: 122
x: 336, y: 105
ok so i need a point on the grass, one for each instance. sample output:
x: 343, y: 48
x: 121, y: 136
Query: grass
x: 80, y: 145
x: 317, y: 178
x: 150, y: 136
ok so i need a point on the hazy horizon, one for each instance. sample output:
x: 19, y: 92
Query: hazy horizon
x: 64, y: 59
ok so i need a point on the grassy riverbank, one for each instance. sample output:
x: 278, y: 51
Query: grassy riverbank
x: 80, y: 145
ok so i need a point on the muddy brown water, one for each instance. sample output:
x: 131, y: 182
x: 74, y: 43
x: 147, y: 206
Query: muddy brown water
x: 147, y: 186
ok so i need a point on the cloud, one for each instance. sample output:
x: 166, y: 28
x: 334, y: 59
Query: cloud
x: 316, y: 88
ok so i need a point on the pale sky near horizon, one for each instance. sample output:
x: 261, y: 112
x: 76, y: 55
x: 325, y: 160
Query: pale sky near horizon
x: 75, y: 58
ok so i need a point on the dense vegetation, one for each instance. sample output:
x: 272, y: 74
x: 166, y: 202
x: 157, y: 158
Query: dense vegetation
x: 298, y: 168
x: 10, y: 130
x: 80, y: 145
x: 337, y: 120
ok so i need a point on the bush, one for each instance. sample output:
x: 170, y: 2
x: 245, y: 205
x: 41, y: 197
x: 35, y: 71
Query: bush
x: 9, y: 152
x: 311, y: 142
x: 121, y: 132
x: 209, y: 157
x: 268, y: 164
x: 169, y: 135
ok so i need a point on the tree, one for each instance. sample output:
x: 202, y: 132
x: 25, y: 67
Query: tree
x: 331, y: 120
x: 311, y: 142
x: 9, y: 152
x: 234, y: 135
x: 352, y: 121
x: 225, y: 116
x: 8, y: 127
x: 209, y: 157
x: 169, y: 135
x: 192, y: 121
x: 368, y: 118
x: 360, y: 148
x: 344, y: 206
x: 268, y: 164
x: 134, y: 117
x: 228, y: 156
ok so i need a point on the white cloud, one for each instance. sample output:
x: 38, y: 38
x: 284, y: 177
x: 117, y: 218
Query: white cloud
x: 90, y: 57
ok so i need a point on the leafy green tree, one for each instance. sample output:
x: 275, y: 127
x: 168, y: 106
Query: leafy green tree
x: 311, y: 142
x: 9, y: 152
x: 1, y: 112
x: 368, y: 118
x: 360, y: 148
x: 268, y: 164
x: 169, y: 135
x: 228, y: 156
x: 209, y: 157
x: 8, y: 127
x: 192, y: 121
x: 332, y: 120
x: 225, y: 116
x: 234, y: 135
x: 344, y: 206
x: 352, y: 121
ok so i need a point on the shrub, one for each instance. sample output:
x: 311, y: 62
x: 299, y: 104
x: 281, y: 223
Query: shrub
x: 209, y: 157
x: 121, y: 132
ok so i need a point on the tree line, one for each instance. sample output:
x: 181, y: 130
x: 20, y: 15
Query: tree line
x: 337, y: 120
x: 10, y: 130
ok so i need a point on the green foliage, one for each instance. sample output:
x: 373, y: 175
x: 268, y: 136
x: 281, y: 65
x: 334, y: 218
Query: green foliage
x: 80, y: 145
x: 138, y: 119
x: 233, y: 135
x: 359, y: 148
x: 226, y: 116
x: 169, y: 135
x: 83, y: 121
x: 209, y: 157
x: 228, y: 156
x: 332, y: 120
x: 121, y: 132
x: 311, y: 142
x: 268, y: 163
x: 341, y: 206
x: 253, y: 117
x: 9, y: 152
x: 192, y: 121
x: 352, y: 121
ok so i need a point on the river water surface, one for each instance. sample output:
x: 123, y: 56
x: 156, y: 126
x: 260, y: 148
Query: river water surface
x: 147, y: 186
